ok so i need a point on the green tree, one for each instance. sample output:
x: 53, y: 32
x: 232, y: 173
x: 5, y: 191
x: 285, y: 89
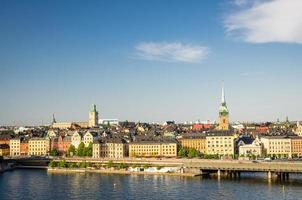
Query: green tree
x: 88, y: 150
x: 83, y: 165
x: 71, y: 150
x: 52, y: 164
x: 193, y: 153
x: 182, y: 152
x: 81, y: 149
x: 54, y: 152
x: 62, y: 164
x: 110, y: 164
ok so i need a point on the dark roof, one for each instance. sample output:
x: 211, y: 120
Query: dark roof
x: 4, y: 146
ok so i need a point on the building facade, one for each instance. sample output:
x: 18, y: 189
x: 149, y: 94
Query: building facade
x: 195, y: 142
x: 76, y: 139
x: 296, y: 143
x: 4, y: 150
x: 14, y: 145
x: 152, y: 149
x: 255, y: 148
x: 279, y: 146
x: 38, y: 146
x: 113, y: 148
x: 220, y: 144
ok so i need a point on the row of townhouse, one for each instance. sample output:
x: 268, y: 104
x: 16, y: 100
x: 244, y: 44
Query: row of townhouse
x: 118, y: 148
x: 224, y: 144
x: 220, y: 143
x: 282, y: 146
x: 33, y: 146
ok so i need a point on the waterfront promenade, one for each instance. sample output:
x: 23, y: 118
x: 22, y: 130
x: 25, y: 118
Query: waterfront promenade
x: 196, y: 166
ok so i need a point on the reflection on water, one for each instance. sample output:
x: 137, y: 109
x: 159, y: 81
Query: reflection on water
x: 38, y: 184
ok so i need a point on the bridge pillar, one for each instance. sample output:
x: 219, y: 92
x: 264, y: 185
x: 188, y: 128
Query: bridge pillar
x: 269, y: 175
x: 287, y: 175
x: 218, y: 173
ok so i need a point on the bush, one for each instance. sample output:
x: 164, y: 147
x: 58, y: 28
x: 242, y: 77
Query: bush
x: 158, y: 167
x: 62, y: 164
x: 83, y: 165
x: 52, y: 164
x: 54, y: 152
x: 110, y: 164
x: 146, y: 166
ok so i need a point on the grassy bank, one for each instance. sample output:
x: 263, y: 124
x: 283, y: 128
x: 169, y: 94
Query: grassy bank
x: 113, y: 171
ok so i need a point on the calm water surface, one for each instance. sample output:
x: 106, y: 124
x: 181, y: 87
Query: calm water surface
x: 38, y: 184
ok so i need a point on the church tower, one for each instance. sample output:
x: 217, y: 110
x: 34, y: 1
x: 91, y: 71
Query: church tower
x: 93, y: 117
x: 223, y: 113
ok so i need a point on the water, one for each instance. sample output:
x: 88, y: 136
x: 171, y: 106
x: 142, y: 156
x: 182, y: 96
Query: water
x: 38, y: 184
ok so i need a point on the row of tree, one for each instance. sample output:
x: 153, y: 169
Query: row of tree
x: 81, y: 151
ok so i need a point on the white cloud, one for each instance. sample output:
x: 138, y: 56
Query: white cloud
x: 267, y: 21
x: 171, y: 52
x: 240, y: 2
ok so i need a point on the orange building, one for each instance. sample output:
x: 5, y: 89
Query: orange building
x: 297, y: 146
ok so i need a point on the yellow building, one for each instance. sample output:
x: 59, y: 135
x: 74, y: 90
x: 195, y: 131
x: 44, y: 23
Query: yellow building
x: 296, y: 143
x: 4, y: 150
x: 113, y: 148
x: 14, y: 145
x: 194, y: 141
x: 279, y: 146
x: 223, y: 114
x: 38, y: 146
x: 221, y: 143
x: 152, y: 149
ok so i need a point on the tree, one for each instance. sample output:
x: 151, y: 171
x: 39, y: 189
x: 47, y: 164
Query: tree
x: 182, y: 152
x: 71, y: 150
x: 62, y: 164
x: 88, y: 150
x: 83, y: 165
x: 81, y: 150
x: 110, y: 164
x: 54, y: 152
x: 193, y: 153
x: 52, y: 164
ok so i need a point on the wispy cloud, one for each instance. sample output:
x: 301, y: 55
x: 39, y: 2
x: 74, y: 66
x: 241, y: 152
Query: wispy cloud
x: 239, y: 2
x: 171, y: 52
x: 267, y: 21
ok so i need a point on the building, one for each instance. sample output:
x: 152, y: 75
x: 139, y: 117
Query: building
x: 251, y: 149
x: 109, y: 121
x: 4, y: 150
x: 14, y: 145
x: 113, y: 148
x: 278, y: 146
x: 196, y: 141
x: 298, y: 130
x: 38, y: 146
x: 296, y: 143
x: 5, y: 138
x: 220, y: 143
x: 89, y: 137
x: 61, y: 125
x: 223, y: 114
x: 93, y: 117
x: 153, y: 149
x: 63, y: 144
x: 76, y: 139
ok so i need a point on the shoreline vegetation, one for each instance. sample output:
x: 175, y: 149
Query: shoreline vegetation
x: 114, y: 168
x: 115, y: 171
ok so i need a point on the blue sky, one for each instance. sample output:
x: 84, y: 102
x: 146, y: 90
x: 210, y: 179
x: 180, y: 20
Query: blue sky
x: 149, y: 60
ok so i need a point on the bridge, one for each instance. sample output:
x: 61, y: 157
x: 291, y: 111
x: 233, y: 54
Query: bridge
x: 232, y: 168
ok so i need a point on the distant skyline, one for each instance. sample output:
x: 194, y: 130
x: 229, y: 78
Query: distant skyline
x: 150, y: 61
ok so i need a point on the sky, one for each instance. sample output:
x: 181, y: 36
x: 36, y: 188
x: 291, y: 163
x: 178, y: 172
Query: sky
x: 150, y: 61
